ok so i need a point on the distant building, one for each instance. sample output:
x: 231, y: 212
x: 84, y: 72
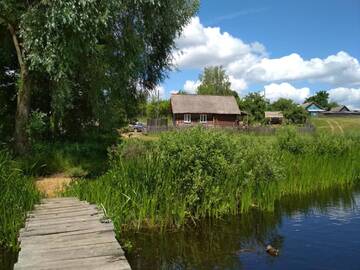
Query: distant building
x: 274, y: 117
x: 313, y: 108
x: 205, y: 110
x: 340, y: 109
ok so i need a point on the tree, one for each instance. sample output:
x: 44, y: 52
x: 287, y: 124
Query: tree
x: 156, y: 108
x: 132, y: 39
x: 321, y: 98
x: 255, y: 105
x: 282, y: 104
x: 214, y: 81
x: 296, y: 115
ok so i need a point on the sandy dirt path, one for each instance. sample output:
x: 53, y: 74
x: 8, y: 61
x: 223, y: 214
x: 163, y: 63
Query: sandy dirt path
x: 53, y: 184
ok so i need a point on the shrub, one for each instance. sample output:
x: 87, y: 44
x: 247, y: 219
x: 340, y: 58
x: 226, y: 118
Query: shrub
x: 289, y: 139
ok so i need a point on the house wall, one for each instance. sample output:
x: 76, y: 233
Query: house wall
x: 212, y: 120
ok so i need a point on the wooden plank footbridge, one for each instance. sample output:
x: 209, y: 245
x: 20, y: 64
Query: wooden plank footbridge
x: 65, y: 233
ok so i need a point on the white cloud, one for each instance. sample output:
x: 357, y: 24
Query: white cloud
x: 346, y: 96
x: 159, y: 90
x: 191, y: 86
x: 285, y: 90
x: 200, y: 46
x: 335, y: 69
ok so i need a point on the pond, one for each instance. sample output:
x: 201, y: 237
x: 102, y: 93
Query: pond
x: 318, y: 231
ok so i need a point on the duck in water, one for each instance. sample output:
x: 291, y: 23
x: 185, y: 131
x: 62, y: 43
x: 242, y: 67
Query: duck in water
x: 272, y: 251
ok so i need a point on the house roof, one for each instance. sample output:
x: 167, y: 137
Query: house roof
x: 340, y: 108
x: 204, y: 104
x: 274, y: 115
x: 306, y: 105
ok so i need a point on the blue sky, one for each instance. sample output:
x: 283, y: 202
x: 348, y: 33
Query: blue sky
x: 290, y: 48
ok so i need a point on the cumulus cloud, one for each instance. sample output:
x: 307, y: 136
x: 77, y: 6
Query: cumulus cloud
x: 335, y: 69
x: 191, y: 86
x: 200, y: 46
x: 346, y: 96
x: 285, y: 90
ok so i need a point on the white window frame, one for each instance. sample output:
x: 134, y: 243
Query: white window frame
x: 187, y: 118
x: 203, y: 118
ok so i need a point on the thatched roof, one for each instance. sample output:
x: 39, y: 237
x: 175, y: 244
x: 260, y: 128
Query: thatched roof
x: 204, y: 104
x: 274, y: 115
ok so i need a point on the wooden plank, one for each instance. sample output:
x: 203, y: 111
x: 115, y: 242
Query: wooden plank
x: 64, y: 233
x: 100, y: 263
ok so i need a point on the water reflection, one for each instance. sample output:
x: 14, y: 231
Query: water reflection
x: 238, y: 242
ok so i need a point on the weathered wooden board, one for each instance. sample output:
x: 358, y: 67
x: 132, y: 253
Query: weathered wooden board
x: 64, y: 233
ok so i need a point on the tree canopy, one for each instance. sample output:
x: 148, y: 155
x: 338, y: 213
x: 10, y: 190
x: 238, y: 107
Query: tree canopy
x: 322, y: 99
x: 215, y: 81
x: 88, y: 63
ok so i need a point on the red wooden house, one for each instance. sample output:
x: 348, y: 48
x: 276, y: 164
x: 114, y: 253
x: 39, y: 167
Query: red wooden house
x: 205, y: 110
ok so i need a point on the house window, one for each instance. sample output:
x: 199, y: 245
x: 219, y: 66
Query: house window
x: 187, y: 118
x: 203, y: 118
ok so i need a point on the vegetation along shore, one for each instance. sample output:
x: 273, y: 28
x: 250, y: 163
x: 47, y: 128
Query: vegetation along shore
x: 197, y: 173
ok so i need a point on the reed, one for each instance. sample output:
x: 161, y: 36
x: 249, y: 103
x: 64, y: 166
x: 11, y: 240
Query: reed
x: 188, y: 175
x: 17, y: 196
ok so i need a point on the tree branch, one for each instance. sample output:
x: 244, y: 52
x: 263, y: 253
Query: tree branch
x: 17, y: 45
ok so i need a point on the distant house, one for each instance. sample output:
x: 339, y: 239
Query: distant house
x: 205, y: 110
x: 274, y: 117
x: 341, y: 111
x: 313, y: 108
x: 342, y: 108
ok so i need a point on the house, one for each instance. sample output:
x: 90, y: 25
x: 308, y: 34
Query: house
x: 313, y: 108
x: 342, y: 108
x: 206, y: 110
x: 341, y: 111
x: 274, y: 117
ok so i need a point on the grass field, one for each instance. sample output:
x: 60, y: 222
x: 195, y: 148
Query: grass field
x: 337, y: 125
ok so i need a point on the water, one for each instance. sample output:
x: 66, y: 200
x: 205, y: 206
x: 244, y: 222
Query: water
x: 319, y: 231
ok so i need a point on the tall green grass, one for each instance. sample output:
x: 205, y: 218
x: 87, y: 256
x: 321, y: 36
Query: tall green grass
x: 17, y: 196
x: 188, y: 175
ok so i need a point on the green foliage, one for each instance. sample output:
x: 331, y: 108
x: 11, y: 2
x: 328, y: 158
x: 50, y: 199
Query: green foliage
x: 85, y: 158
x: 91, y: 63
x: 283, y: 104
x: 37, y: 125
x: 214, y: 81
x: 296, y: 115
x: 321, y: 144
x: 255, y: 105
x: 197, y: 167
x: 196, y: 173
x: 18, y: 195
x: 321, y: 98
x: 158, y: 109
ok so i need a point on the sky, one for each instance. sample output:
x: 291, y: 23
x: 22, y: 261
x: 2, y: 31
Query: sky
x: 285, y: 48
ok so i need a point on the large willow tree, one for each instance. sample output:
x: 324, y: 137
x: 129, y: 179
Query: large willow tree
x: 104, y: 50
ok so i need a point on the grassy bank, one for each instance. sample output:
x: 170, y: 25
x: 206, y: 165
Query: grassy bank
x: 17, y: 196
x: 188, y: 175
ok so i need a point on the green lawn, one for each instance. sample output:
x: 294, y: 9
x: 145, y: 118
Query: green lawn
x: 337, y: 125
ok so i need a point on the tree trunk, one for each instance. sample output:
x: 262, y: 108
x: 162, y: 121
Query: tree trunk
x: 23, y: 99
x: 22, y: 113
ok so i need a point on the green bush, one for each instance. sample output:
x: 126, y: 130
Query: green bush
x: 289, y: 139
x: 18, y: 195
